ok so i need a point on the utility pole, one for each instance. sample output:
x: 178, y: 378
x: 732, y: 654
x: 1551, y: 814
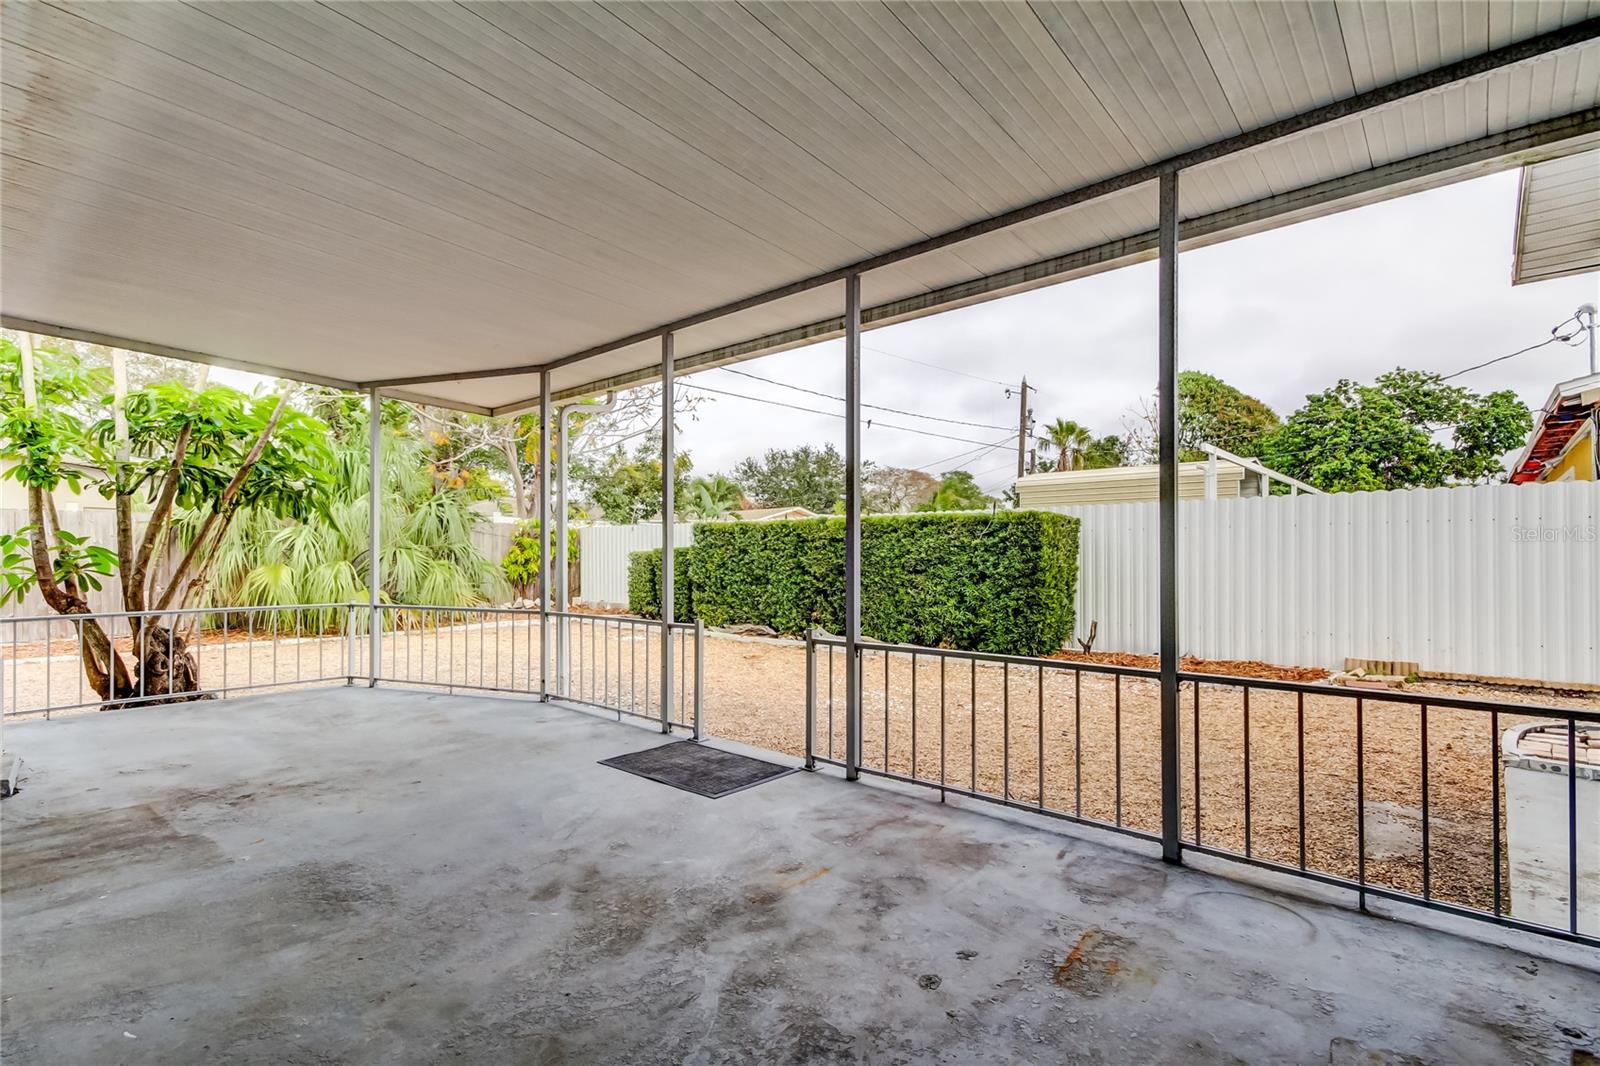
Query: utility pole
x: 1588, y: 309
x: 1023, y: 417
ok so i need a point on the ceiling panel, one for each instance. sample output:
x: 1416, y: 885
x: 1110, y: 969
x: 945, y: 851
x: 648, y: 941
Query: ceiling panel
x: 405, y: 190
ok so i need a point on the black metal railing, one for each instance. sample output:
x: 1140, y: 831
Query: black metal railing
x: 1392, y: 794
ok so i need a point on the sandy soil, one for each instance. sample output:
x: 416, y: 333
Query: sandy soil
x: 1086, y: 742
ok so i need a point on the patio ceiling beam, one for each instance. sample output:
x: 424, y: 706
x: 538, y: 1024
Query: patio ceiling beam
x: 1427, y: 81
x: 1432, y: 169
x: 89, y: 336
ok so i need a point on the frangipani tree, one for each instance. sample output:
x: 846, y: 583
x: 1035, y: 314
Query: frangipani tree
x: 209, y: 454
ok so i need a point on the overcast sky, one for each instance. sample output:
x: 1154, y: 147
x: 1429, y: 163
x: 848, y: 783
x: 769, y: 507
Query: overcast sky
x: 1423, y: 282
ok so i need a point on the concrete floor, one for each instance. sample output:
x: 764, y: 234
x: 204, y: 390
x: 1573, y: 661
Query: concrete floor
x: 348, y: 876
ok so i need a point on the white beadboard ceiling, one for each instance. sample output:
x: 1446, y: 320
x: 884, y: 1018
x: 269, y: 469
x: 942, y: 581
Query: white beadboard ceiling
x: 376, y: 192
x: 1558, y: 219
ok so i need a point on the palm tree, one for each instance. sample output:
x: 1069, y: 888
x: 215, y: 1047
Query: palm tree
x: 426, y: 550
x: 712, y: 497
x: 1069, y: 440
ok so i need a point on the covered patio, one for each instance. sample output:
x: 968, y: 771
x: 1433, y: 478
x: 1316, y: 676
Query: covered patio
x: 350, y: 875
x: 503, y: 208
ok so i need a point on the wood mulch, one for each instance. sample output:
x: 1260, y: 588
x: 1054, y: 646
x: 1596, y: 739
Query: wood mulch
x: 1228, y: 667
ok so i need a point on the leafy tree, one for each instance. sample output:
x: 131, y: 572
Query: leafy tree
x: 895, y: 489
x: 957, y: 491
x: 1406, y: 430
x: 1102, y: 452
x: 799, y: 477
x: 1210, y: 411
x: 207, y: 454
x: 627, y: 488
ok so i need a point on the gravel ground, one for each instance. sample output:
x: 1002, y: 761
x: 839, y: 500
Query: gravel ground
x: 1097, y: 735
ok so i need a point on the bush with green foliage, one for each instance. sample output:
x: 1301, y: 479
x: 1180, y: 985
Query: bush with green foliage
x: 521, y: 562
x: 644, y: 584
x: 1003, y: 583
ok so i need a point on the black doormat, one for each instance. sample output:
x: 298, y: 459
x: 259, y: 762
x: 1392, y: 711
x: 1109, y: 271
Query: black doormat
x: 696, y: 768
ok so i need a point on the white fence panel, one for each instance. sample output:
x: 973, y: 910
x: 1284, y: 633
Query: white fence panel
x: 603, y: 557
x: 1493, y: 580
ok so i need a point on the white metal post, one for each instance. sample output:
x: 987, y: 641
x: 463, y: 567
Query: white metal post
x: 374, y: 530
x: 668, y: 505
x: 544, y: 532
x: 1167, y: 404
x: 852, y: 526
x: 563, y: 652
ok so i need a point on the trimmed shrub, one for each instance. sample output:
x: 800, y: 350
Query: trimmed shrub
x: 1003, y: 583
x: 644, y: 583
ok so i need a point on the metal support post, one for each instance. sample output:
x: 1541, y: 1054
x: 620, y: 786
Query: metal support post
x: 544, y: 533
x: 1167, y: 403
x: 852, y: 526
x: 374, y: 532
x: 668, y: 505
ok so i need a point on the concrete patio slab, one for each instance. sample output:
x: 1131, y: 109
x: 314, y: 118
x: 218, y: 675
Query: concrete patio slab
x: 345, y: 875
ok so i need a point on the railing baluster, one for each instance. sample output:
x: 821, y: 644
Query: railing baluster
x: 913, y: 714
x: 942, y: 719
x: 1572, y: 824
x: 1361, y: 805
x: 1077, y: 743
x: 830, y: 701
x: 972, y: 730
x: 1041, y: 735
x: 1196, y: 685
x: 1117, y: 750
x: 1247, y: 838
x: 1005, y: 731
x: 1427, y: 868
x: 1300, y: 767
x: 886, y: 710
x: 1494, y: 777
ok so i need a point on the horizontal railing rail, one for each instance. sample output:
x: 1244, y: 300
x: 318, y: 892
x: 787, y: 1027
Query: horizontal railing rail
x: 606, y: 661
x: 197, y: 653
x: 1393, y: 794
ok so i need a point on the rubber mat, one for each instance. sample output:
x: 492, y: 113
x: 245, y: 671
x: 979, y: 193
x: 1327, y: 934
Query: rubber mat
x: 696, y: 768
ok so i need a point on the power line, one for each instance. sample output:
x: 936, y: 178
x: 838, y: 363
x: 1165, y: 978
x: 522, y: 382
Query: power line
x: 871, y: 422
x: 1569, y: 340
x: 965, y: 456
x: 936, y: 366
x: 874, y: 406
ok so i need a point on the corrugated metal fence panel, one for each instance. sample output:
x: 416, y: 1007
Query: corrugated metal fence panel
x: 1494, y: 580
x: 603, y: 557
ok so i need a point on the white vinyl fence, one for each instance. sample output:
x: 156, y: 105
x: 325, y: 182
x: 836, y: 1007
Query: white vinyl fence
x: 1495, y: 580
x: 603, y: 557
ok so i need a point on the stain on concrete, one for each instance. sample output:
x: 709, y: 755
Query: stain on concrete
x: 86, y: 847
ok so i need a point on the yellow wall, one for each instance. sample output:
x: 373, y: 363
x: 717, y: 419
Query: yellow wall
x: 1578, y: 458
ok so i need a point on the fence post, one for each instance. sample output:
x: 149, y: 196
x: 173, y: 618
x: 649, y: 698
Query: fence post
x: 699, y: 676
x: 811, y: 699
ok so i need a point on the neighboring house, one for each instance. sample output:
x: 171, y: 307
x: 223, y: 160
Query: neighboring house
x: 770, y: 514
x: 1565, y: 442
x: 1125, y: 484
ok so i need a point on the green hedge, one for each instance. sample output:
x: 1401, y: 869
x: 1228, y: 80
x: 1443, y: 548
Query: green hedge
x: 1000, y: 583
x: 644, y: 584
